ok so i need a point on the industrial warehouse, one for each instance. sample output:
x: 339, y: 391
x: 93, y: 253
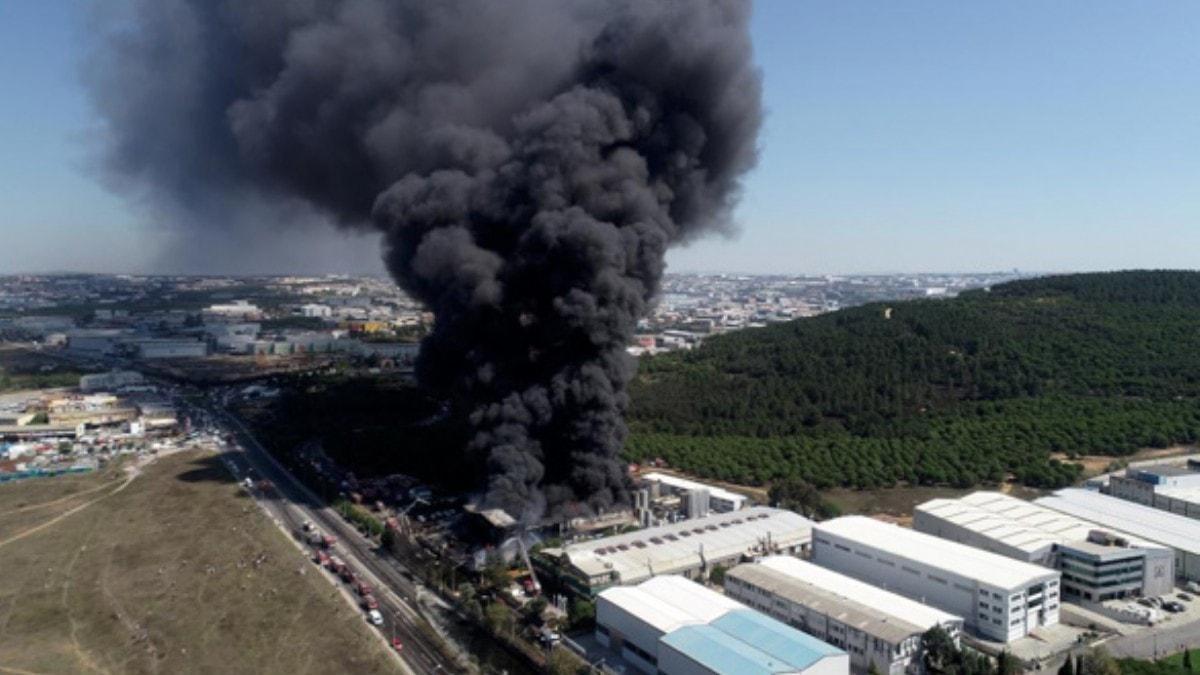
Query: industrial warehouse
x: 673, y: 626
x: 1096, y: 564
x: 877, y: 628
x: 1174, y: 488
x: 718, y: 499
x: 1179, y: 533
x: 690, y: 548
x: 1000, y: 598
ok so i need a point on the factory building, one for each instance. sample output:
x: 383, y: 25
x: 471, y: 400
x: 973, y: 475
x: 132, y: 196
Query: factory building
x: 999, y: 598
x: 719, y: 500
x: 1096, y: 564
x: 95, y: 342
x: 1176, y: 532
x: 877, y: 628
x: 110, y: 381
x: 671, y: 626
x: 690, y: 548
x: 1143, y: 484
x: 1171, y: 487
x: 168, y: 348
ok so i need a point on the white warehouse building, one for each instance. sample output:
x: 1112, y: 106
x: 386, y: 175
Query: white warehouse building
x: 1096, y: 564
x: 875, y: 627
x: 1178, y: 533
x: 671, y: 626
x: 690, y: 547
x: 999, y: 598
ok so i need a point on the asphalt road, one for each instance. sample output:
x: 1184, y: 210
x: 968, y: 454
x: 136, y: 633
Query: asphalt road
x: 293, y: 503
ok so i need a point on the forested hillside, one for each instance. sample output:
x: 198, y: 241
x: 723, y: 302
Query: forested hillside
x: 962, y: 391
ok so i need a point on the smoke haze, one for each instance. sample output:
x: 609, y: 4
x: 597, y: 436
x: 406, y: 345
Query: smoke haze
x: 527, y: 163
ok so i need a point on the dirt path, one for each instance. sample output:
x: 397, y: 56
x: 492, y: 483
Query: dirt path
x: 60, y: 500
x: 133, y: 473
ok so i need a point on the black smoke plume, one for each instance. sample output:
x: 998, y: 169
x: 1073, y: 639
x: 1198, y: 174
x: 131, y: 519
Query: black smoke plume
x: 528, y: 163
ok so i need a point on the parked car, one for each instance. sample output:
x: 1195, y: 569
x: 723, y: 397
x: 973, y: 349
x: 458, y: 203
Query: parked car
x: 1145, y: 602
x: 1184, y: 596
x: 375, y: 617
x: 1174, y: 607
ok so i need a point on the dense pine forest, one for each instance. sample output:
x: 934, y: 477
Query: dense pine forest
x: 966, y: 391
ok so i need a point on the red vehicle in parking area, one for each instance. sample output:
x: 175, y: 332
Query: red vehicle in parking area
x: 362, y: 588
x: 336, y: 565
x: 369, y: 602
x: 347, y: 575
x: 328, y: 541
x: 321, y: 558
x: 397, y: 645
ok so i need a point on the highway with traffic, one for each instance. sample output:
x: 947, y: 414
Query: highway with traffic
x: 291, y: 503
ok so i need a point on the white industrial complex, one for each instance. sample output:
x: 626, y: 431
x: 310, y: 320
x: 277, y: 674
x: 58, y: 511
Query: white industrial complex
x: 1000, y: 598
x: 719, y: 500
x: 875, y: 627
x: 1176, y: 532
x: 1096, y: 564
x: 1174, y: 488
x: 690, y: 547
x: 673, y: 626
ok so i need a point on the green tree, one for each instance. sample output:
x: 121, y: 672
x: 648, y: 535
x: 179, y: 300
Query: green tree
x: 1097, y: 661
x: 939, y: 652
x: 498, y: 618
x: 533, y: 610
x: 581, y: 614
x: 717, y: 575
x: 1007, y: 665
x: 495, y: 573
x: 562, y: 662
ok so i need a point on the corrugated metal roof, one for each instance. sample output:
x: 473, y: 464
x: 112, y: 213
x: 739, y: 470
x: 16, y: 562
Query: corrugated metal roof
x: 1146, y: 522
x: 720, y: 652
x: 936, y: 553
x: 660, y: 615
x: 1018, y: 523
x: 685, y: 484
x: 702, y: 603
x: 881, y: 603
x: 775, y: 638
x: 669, y: 549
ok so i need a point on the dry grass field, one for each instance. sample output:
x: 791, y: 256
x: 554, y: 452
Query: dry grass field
x: 174, y: 571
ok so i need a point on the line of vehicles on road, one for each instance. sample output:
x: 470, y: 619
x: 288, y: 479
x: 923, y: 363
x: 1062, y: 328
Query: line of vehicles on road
x: 323, y: 555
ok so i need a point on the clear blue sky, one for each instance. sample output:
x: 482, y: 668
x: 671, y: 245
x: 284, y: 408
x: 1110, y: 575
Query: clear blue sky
x: 902, y: 136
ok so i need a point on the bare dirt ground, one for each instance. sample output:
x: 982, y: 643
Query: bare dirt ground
x: 164, y: 569
x: 1094, y: 465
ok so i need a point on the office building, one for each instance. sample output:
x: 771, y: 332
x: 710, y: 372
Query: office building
x: 999, y: 598
x: 875, y: 627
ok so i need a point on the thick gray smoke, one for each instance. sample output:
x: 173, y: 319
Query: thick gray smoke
x: 528, y: 162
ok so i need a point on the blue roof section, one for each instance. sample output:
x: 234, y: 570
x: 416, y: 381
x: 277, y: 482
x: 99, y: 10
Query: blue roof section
x: 775, y: 638
x: 720, y: 652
